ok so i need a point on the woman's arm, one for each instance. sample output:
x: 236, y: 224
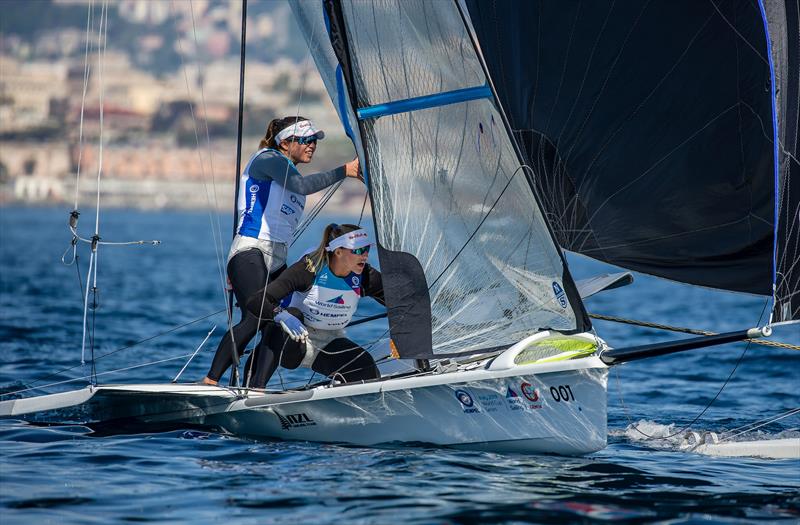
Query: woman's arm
x: 271, y: 165
x: 295, y: 278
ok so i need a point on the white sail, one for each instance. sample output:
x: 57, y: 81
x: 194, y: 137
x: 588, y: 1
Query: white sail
x: 446, y: 183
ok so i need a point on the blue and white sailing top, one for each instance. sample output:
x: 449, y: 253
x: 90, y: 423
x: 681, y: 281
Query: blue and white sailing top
x: 272, y: 197
x: 330, y: 302
x: 325, y: 300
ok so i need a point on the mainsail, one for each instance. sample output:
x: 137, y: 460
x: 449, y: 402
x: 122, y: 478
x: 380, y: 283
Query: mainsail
x: 468, y: 259
x: 664, y: 134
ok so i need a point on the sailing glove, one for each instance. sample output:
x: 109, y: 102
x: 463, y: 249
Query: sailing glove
x: 292, y: 326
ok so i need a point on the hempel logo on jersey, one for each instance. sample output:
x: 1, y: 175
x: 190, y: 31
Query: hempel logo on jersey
x: 291, y: 421
x: 253, y: 192
x: 467, y: 403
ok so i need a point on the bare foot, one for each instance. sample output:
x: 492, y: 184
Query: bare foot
x: 207, y: 381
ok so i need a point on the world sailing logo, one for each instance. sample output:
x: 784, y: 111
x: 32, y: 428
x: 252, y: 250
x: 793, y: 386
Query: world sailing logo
x: 291, y: 421
x: 336, y: 300
x: 560, y: 295
x: 513, y: 400
x: 467, y: 404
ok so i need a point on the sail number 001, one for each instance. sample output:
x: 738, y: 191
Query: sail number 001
x: 562, y: 393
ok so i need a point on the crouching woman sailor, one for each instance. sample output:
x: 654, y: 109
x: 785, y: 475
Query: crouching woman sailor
x: 325, y: 287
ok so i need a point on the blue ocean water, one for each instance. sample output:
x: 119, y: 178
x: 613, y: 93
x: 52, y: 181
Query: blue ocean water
x: 70, y: 475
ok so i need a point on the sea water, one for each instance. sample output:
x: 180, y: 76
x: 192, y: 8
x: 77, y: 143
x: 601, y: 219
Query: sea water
x: 156, y: 304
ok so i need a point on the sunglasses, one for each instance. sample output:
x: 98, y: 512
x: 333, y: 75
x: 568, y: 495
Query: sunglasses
x: 360, y: 251
x: 305, y: 140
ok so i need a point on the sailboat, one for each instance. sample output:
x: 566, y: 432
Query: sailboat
x: 470, y: 234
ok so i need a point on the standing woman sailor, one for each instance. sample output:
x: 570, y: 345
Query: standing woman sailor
x: 323, y: 290
x: 272, y: 197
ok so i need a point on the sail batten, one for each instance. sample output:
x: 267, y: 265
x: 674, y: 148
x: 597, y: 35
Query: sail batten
x: 424, y: 102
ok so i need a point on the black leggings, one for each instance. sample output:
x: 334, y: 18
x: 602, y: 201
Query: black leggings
x: 341, y: 358
x: 248, y: 275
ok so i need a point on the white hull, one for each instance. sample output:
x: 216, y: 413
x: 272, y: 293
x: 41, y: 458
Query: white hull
x: 540, y: 408
x: 787, y: 448
x: 479, y: 409
x: 710, y: 444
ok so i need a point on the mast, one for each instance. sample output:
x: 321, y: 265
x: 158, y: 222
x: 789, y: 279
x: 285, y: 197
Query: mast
x: 242, y: 53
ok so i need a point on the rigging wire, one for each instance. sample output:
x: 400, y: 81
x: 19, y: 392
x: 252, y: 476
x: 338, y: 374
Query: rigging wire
x: 98, y: 358
x: 215, y: 229
x: 73, y: 221
x: 447, y: 267
x: 92, y: 273
x: 758, y: 424
x: 686, y: 330
x: 315, y: 210
x: 708, y: 406
x: 363, y: 206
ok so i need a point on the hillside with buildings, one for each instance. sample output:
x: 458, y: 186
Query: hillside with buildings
x: 164, y: 83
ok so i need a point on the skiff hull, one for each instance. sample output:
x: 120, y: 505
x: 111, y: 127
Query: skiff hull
x: 550, y: 408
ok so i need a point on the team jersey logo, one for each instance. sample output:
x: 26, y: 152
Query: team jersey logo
x: 336, y: 300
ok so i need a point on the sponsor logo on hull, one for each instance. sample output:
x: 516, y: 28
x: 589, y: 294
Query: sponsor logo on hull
x: 290, y: 421
x: 531, y: 394
x: 513, y: 400
x: 467, y: 403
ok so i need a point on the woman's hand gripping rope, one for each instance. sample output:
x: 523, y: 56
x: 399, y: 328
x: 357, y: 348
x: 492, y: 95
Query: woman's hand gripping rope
x: 292, y: 326
x: 353, y: 169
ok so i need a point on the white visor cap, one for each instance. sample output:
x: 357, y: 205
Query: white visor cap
x: 352, y: 240
x: 304, y: 128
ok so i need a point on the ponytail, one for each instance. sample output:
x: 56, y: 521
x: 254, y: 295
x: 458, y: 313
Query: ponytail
x: 321, y: 256
x: 274, y: 127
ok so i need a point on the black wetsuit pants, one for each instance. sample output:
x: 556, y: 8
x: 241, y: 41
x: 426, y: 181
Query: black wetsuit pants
x: 248, y: 274
x: 340, y: 359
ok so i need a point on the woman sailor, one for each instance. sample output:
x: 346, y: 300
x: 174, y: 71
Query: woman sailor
x: 271, y: 202
x: 323, y: 290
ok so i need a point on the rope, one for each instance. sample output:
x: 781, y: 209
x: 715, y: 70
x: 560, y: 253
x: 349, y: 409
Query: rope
x: 761, y: 423
x: 363, y: 207
x: 188, y: 361
x: 137, y: 343
x: 710, y: 403
x: 85, y: 377
x: 685, y: 330
x: 316, y: 210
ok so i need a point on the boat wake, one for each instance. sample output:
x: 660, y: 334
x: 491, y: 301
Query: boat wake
x: 756, y: 443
